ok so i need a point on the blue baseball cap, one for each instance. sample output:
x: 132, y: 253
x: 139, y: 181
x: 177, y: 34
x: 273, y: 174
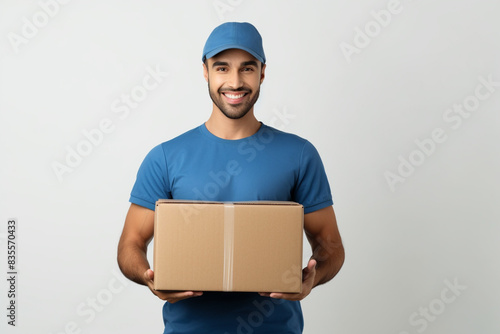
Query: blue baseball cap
x: 234, y: 35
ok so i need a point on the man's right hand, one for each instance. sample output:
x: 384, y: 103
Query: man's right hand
x: 137, y: 234
x: 169, y: 296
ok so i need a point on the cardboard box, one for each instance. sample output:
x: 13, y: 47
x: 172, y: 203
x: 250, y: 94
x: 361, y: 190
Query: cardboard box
x: 240, y: 246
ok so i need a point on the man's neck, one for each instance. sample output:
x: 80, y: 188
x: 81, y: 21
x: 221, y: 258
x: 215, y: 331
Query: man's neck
x: 223, y: 127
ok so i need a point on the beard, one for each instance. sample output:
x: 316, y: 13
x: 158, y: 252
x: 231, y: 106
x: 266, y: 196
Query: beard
x: 233, y: 111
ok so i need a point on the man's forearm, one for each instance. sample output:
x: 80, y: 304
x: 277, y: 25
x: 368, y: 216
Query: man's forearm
x: 329, y: 261
x: 133, y: 262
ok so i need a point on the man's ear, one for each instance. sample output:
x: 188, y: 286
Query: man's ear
x: 205, y: 71
x: 263, y: 73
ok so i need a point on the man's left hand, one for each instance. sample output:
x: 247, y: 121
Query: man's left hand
x: 308, y: 275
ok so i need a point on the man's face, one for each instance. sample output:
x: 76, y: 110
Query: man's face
x: 234, y: 77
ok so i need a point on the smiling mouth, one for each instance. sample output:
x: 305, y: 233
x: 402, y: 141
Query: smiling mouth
x: 234, y: 98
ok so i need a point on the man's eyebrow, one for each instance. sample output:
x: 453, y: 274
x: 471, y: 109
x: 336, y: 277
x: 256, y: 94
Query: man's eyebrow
x: 219, y: 63
x: 245, y: 63
x: 249, y: 63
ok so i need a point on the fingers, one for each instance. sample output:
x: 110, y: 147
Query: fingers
x: 149, y: 275
x: 169, y: 296
x: 309, y: 271
x: 279, y: 295
x: 308, y: 274
x: 283, y: 295
x: 173, y: 297
x: 312, y: 264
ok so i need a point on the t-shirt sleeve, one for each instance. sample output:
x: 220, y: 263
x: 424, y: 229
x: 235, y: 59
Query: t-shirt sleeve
x: 152, y: 180
x: 312, y: 189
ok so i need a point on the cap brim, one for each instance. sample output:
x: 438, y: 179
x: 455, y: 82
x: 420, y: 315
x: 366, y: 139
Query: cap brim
x: 218, y: 50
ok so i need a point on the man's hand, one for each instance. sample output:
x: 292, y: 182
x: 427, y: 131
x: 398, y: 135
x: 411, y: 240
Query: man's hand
x: 308, y: 275
x: 137, y: 234
x: 328, y: 253
x: 169, y: 296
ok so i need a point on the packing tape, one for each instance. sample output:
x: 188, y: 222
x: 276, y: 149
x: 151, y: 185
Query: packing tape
x: 227, y: 280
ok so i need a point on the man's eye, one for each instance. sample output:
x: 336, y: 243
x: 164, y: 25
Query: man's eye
x: 221, y: 69
x: 247, y: 69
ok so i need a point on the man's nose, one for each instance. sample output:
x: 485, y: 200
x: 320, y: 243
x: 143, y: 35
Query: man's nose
x: 234, y: 80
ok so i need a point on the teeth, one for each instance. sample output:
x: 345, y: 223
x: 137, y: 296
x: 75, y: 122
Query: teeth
x: 234, y: 97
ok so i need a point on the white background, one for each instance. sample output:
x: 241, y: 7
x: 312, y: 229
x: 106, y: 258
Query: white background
x: 364, y: 112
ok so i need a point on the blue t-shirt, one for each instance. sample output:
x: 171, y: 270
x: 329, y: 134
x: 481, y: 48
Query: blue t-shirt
x: 269, y: 165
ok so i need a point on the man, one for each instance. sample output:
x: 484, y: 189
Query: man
x: 265, y: 164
